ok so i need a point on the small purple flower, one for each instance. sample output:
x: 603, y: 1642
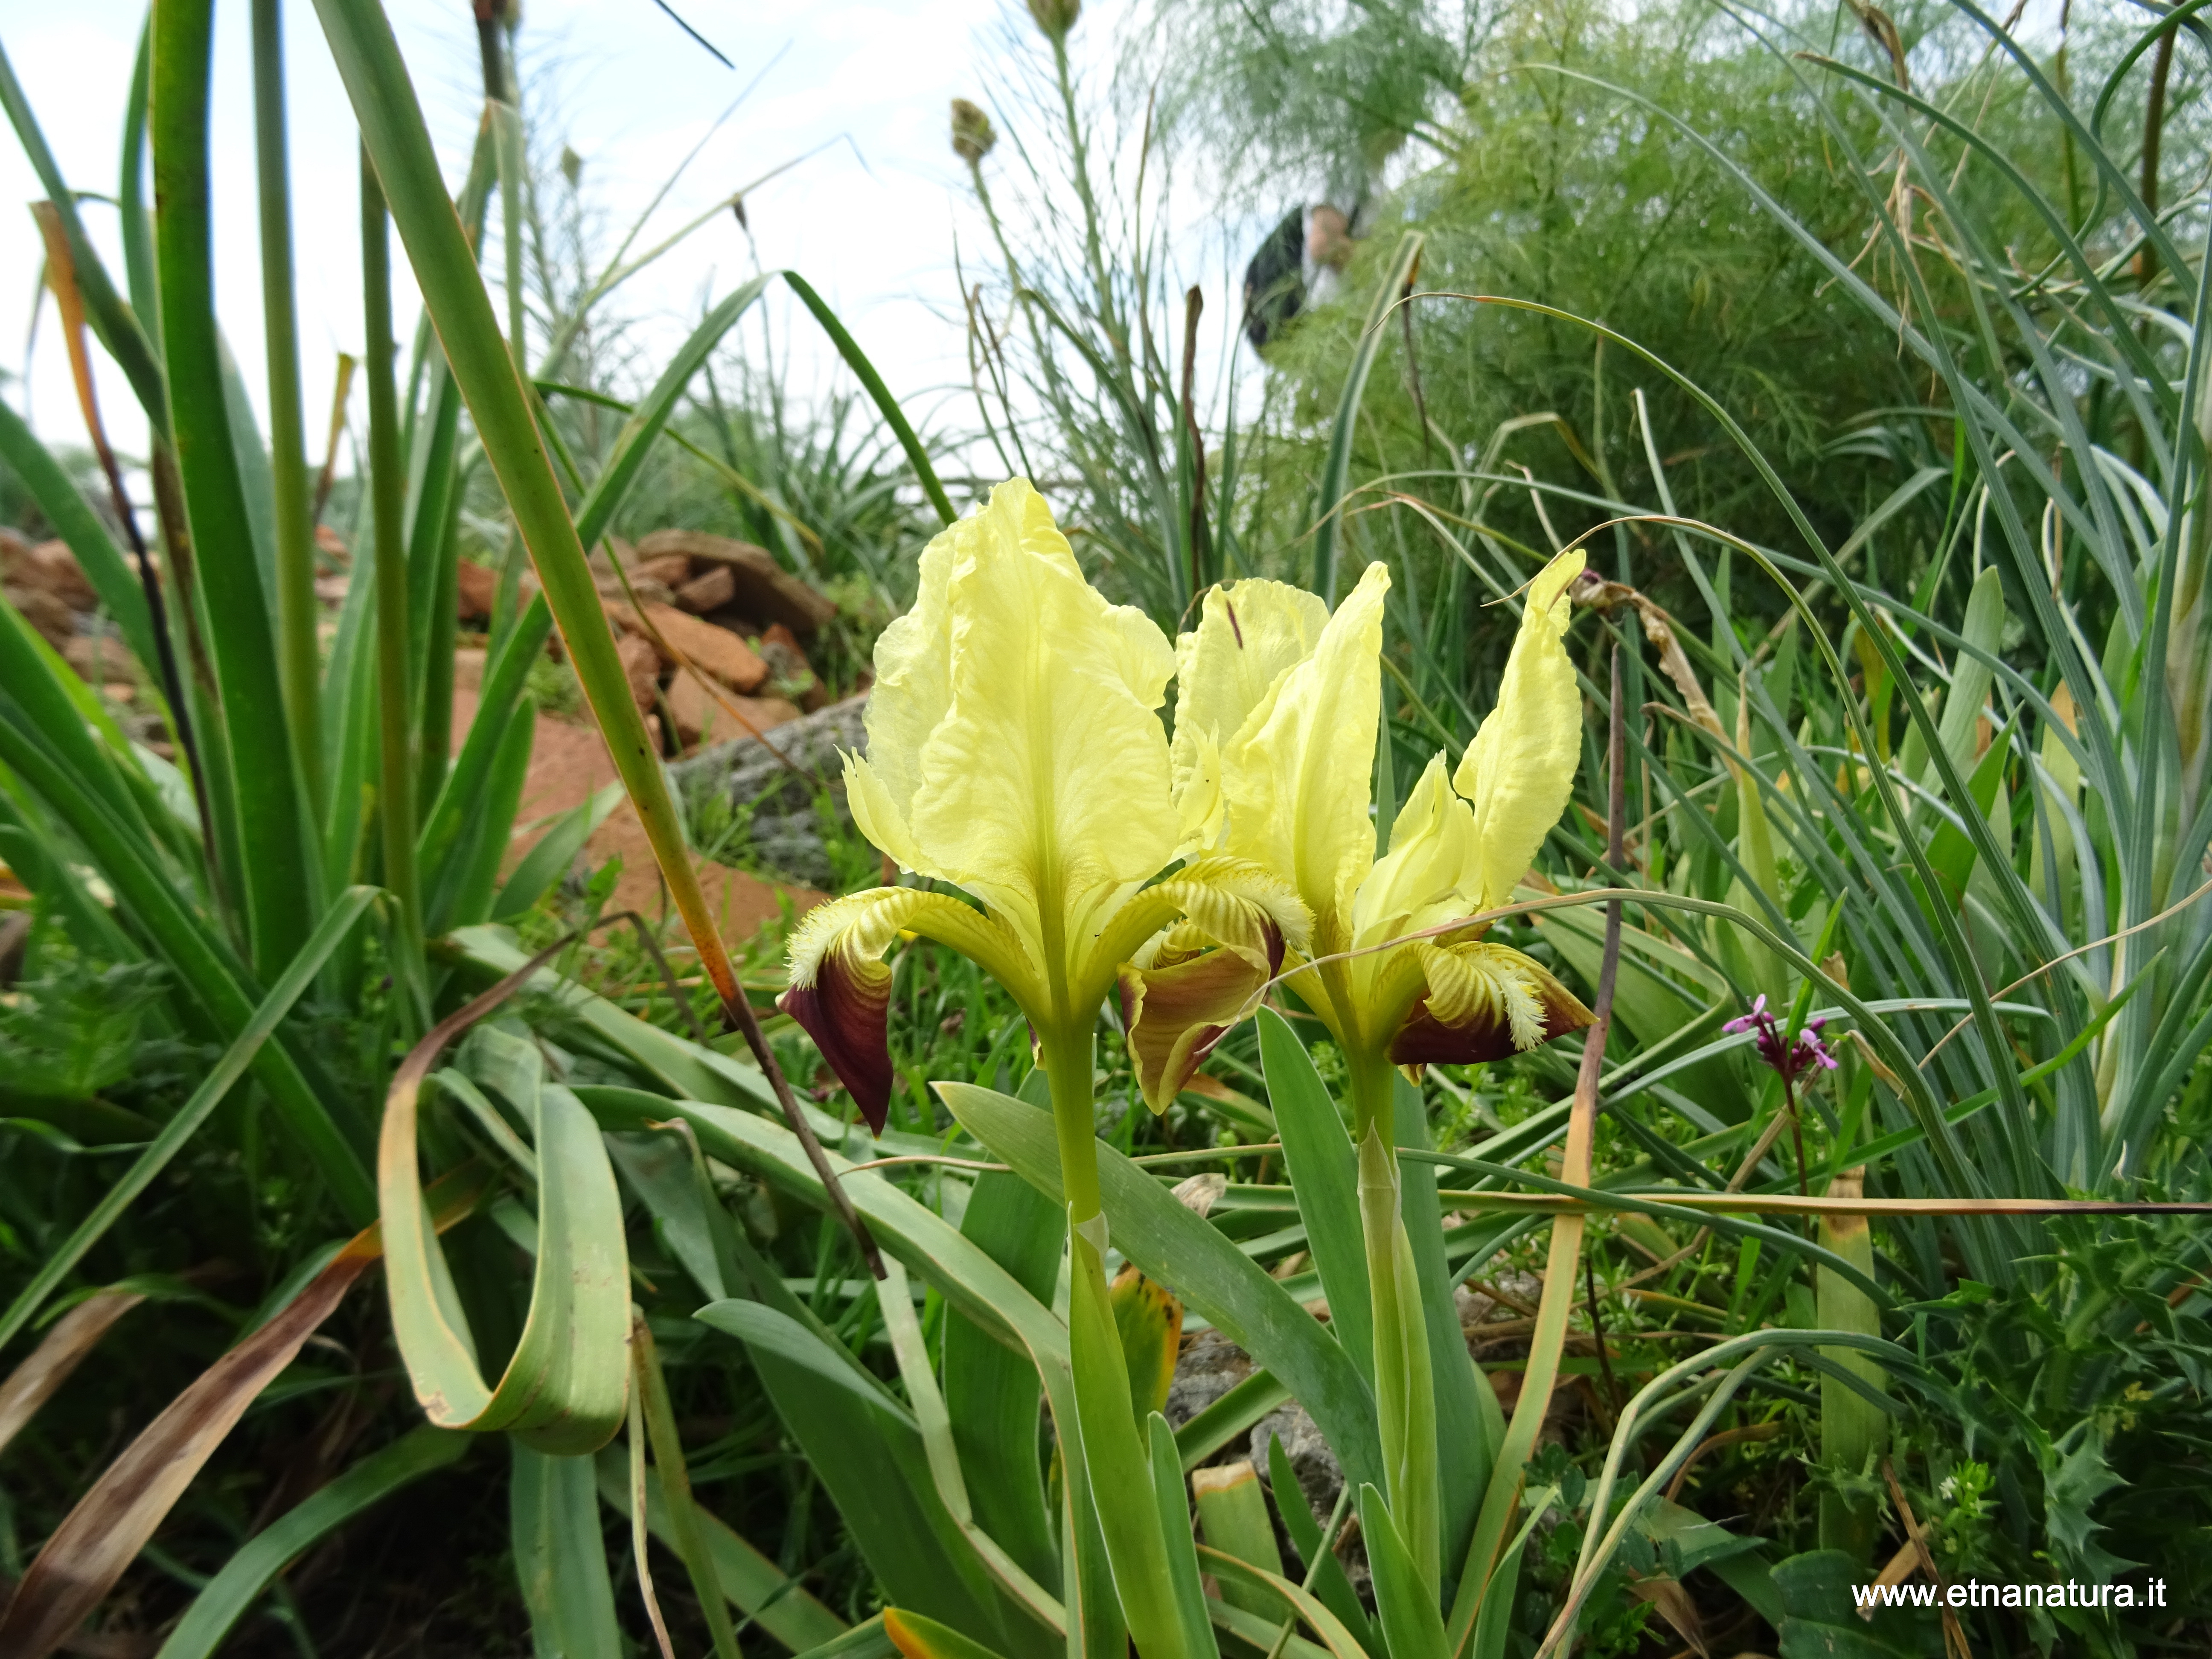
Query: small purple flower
x: 1788, y: 1060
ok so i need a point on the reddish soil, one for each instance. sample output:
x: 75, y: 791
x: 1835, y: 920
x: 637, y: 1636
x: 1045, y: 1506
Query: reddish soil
x: 567, y: 764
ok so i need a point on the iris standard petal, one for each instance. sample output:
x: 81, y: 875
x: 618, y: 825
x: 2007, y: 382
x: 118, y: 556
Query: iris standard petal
x: 1249, y: 635
x: 1432, y: 873
x: 840, y: 987
x: 1044, y: 788
x: 879, y: 816
x: 1520, y: 769
x: 912, y: 689
x: 1297, y: 790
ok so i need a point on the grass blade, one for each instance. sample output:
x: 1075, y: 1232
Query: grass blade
x: 200, y: 959
x: 60, y: 1352
x: 752, y: 1582
x: 1397, y: 279
x: 103, y: 1535
x: 231, y: 1593
x: 180, y: 1128
x: 676, y: 1486
x: 112, y: 321
x: 462, y: 894
x: 278, y: 888
x: 893, y: 416
x: 76, y: 523
x: 394, y: 624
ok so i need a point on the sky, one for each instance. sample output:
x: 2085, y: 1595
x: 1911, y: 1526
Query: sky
x: 861, y: 90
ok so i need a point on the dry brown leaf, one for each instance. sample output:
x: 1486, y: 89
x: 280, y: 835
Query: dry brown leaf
x: 74, y: 1334
x: 103, y: 1535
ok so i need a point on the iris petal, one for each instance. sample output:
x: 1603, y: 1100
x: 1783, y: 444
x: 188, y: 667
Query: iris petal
x: 840, y: 989
x: 1187, y: 985
x: 1483, y: 1002
x: 1520, y: 769
x: 1298, y: 792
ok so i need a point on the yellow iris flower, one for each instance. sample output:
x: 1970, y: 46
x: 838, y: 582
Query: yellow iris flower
x: 1015, y: 751
x: 1272, y: 762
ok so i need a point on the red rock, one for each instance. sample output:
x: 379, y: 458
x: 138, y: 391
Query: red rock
x: 332, y: 545
x: 643, y: 664
x: 478, y: 586
x: 712, y: 650
x: 611, y: 591
x: 50, y: 568
x: 740, y: 904
x: 765, y: 590
x: 701, y: 718
x: 49, y: 617
x: 709, y: 592
x: 567, y: 764
x: 96, y: 659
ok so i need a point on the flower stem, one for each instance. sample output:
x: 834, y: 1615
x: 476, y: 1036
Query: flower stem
x: 1404, y: 1387
x: 1067, y: 1068
x: 1797, y: 1129
x: 1114, y: 1458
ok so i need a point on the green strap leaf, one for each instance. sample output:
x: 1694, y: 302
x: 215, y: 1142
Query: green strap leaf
x: 280, y: 889
x: 565, y: 1390
x: 1412, y: 1627
x: 560, y: 1557
x: 210, y: 1094
x: 763, y: 1330
x: 1181, y: 1250
x: 992, y: 1392
x: 231, y: 1593
x: 1175, y: 1530
x: 1324, y: 1176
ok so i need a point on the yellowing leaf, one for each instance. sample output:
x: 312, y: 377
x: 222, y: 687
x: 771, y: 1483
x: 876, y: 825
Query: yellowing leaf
x: 1149, y: 1321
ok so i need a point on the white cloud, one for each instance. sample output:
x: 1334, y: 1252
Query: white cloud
x: 871, y: 217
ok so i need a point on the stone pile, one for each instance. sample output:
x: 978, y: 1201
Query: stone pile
x: 713, y: 631
x: 791, y: 783
x: 43, y: 582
